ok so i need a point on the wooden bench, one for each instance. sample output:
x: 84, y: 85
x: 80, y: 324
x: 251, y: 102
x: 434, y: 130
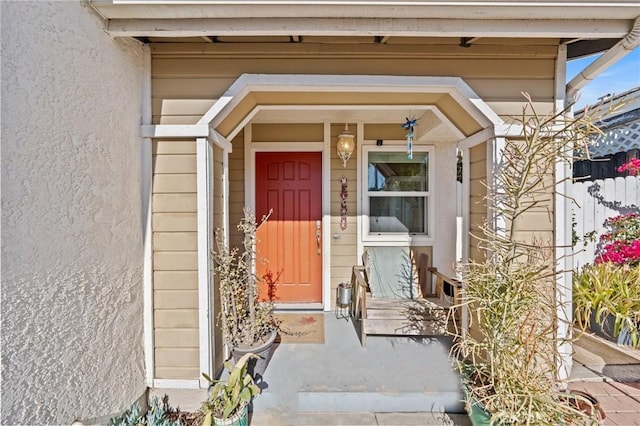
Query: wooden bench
x: 427, y: 315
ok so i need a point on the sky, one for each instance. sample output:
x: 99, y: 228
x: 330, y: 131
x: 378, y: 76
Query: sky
x: 620, y: 77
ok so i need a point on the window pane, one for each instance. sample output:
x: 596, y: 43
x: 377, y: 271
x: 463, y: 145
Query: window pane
x: 398, y: 214
x: 393, y: 171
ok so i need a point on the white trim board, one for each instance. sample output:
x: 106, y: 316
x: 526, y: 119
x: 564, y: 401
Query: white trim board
x: 204, y: 154
x: 174, y: 130
x: 397, y: 27
x: 326, y: 217
x: 147, y: 196
x: 176, y: 384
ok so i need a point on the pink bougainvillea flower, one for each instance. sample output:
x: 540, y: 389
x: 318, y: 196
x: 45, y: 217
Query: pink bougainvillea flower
x: 633, y: 167
x: 621, y: 245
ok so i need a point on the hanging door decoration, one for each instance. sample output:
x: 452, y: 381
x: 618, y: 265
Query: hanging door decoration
x: 408, y: 126
x: 343, y: 204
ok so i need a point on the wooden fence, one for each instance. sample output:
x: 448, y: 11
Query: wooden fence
x: 597, y: 201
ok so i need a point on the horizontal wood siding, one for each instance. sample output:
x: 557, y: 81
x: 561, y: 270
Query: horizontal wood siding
x: 477, y: 192
x: 282, y: 132
x: 477, y: 211
x: 188, y: 78
x: 175, y: 261
x: 236, y: 189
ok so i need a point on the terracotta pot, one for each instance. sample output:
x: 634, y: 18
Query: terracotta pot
x: 585, y: 403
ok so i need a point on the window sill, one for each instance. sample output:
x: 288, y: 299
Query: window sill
x: 399, y: 240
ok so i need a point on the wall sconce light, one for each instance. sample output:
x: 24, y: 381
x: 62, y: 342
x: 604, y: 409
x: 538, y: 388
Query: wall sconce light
x: 346, y: 145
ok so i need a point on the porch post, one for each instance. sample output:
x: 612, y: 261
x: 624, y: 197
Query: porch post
x: 204, y: 156
x: 147, y: 256
x: 466, y: 227
x: 563, y: 237
x: 495, y: 150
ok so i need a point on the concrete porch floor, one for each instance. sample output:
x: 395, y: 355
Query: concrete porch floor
x: 400, y: 381
x: 393, y: 380
x: 389, y: 375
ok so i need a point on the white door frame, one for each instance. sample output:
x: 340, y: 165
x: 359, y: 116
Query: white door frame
x: 250, y: 150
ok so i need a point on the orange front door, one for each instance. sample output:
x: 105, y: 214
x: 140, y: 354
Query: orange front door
x: 290, y: 184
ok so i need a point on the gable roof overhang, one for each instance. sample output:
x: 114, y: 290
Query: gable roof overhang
x: 449, y: 99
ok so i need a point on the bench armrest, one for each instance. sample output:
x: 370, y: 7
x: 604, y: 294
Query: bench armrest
x: 441, y: 279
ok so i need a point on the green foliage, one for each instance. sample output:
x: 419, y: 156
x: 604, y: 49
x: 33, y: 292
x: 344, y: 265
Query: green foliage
x: 607, y: 289
x: 155, y: 416
x: 228, y: 397
x: 245, y: 320
x: 509, y: 358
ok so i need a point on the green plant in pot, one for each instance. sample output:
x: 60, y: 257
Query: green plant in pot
x: 229, y: 399
x: 248, y: 324
x: 608, y: 295
x: 508, y: 358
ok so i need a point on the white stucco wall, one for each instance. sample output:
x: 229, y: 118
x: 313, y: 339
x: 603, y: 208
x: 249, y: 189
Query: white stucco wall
x: 72, y: 307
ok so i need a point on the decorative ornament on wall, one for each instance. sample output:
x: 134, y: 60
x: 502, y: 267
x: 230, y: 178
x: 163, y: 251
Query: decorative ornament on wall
x: 343, y: 204
x: 408, y: 125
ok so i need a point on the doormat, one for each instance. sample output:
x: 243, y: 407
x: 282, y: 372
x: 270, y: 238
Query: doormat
x: 300, y: 328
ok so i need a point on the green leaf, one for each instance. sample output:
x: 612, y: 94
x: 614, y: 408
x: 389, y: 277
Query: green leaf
x: 230, y: 409
x: 207, y: 420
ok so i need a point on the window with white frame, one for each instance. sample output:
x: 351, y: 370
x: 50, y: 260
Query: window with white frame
x: 397, y: 192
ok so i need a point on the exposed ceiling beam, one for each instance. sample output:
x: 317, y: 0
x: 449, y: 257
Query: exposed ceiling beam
x: 467, y: 41
x: 144, y: 40
x: 414, y: 27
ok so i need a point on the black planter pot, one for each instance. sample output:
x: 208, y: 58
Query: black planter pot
x: 257, y: 367
x: 606, y: 330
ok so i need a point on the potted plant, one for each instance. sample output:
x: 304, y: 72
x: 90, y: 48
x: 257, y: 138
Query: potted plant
x: 606, y: 294
x: 228, y: 402
x: 248, y: 324
x: 606, y: 298
x: 509, y: 357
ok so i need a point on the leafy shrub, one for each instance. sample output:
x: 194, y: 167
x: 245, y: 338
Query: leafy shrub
x: 606, y: 289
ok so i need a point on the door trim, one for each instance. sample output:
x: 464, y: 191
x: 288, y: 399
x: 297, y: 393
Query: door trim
x: 250, y: 150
